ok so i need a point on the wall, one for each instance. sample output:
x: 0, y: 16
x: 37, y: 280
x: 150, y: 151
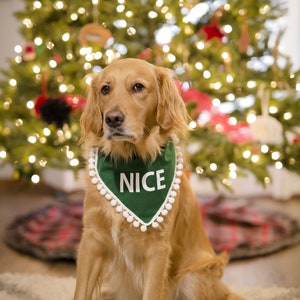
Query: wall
x: 8, y: 30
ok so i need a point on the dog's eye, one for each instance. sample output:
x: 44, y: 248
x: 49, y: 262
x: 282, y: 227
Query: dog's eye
x: 105, y: 89
x: 138, y: 87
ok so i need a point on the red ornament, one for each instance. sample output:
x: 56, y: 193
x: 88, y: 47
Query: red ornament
x: 193, y: 95
x: 39, y: 101
x: 75, y: 101
x: 238, y: 133
x: 212, y: 31
x: 145, y: 54
x: 28, y: 52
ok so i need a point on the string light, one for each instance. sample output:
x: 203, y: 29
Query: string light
x: 74, y: 16
x: 74, y: 162
x: 129, y: 14
x: 35, y: 178
x: 247, y: 154
x: 27, y: 23
x: 30, y: 104
x: 251, y: 84
x: 193, y: 125
x: 287, y: 115
x: 38, y: 41
x: 273, y: 109
x: 275, y: 155
x: 43, y: 163
x: 13, y: 82
x: 206, y: 74
x: 230, y: 97
x: 37, y: 5
x: 213, y: 167
x: 36, y: 69
x: 229, y: 78
x: 264, y: 148
x: 65, y: 37
x: 31, y: 159
x: 18, y: 49
x: 19, y: 122
x: 31, y: 139
x: 199, y: 66
x: 255, y: 158
x: 59, y: 5
x: 3, y: 154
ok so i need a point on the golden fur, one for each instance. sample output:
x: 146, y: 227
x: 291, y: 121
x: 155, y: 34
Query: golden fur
x: 133, y: 108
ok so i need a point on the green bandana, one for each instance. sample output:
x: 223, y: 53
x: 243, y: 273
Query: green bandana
x: 143, y: 192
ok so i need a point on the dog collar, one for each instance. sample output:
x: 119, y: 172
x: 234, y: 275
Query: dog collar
x: 143, y: 192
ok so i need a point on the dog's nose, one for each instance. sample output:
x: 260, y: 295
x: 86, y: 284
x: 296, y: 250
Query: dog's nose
x: 114, y: 118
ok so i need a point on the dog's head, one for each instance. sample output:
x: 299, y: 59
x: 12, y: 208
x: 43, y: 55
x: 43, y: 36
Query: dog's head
x: 133, y: 108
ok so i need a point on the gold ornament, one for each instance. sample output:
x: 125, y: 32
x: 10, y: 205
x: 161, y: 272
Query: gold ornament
x: 95, y: 34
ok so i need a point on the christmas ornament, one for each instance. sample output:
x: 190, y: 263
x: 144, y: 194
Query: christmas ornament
x: 94, y: 34
x: 75, y: 101
x: 213, y: 30
x: 55, y: 110
x: 203, y: 102
x: 39, y: 102
x: 266, y: 129
x: 23, y: 171
x: 28, y: 52
x: 145, y: 54
x: 143, y: 192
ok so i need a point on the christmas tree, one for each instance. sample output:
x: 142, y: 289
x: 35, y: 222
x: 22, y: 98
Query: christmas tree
x: 240, y: 91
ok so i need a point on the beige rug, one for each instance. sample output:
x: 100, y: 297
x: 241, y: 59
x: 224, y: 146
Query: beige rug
x: 41, y: 287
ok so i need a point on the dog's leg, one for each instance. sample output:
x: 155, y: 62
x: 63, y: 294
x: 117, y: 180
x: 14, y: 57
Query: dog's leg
x: 89, y: 265
x: 155, y: 273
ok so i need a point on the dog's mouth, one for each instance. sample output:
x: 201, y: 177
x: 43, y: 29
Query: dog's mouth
x: 120, y: 136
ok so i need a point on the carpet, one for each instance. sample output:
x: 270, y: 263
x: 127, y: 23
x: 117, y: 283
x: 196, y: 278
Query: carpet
x: 41, y: 287
x: 53, y: 232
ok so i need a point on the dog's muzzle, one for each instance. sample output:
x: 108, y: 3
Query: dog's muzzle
x: 114, y: 118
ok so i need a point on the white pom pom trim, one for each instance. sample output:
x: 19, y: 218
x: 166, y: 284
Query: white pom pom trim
x: 120, y: 208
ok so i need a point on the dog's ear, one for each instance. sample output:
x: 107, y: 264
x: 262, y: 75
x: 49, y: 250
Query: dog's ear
x: 91, y: 117
x: 171, y: 111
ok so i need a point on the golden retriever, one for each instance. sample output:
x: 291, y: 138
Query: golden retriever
x: 133, y: 110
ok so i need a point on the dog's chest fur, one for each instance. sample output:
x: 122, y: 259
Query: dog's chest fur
x: 125, y: 265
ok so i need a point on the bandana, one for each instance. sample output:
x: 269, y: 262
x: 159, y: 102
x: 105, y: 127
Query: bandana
x: 143, y: 192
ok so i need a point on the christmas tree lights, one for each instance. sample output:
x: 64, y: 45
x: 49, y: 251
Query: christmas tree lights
x: 223, y: 53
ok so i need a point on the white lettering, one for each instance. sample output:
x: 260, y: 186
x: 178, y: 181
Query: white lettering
x: 159, y: 179
x: 133, y: 184
x: 137, y: 182
x: 144, y: 182
x: 130, y: 185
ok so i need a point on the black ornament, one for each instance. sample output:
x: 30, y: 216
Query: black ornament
x: 55, y: 110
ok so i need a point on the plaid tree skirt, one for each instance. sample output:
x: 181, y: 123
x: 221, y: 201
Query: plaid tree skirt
x: 54, y: 232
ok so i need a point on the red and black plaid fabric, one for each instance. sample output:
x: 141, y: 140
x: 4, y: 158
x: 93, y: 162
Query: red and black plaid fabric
x: 54, y: 232
x: 245, y: 231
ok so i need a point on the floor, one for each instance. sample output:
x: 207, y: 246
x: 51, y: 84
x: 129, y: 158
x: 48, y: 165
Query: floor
x: 281, y: 268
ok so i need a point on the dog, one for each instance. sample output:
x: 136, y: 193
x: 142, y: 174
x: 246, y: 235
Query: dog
x: 134, y: 114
